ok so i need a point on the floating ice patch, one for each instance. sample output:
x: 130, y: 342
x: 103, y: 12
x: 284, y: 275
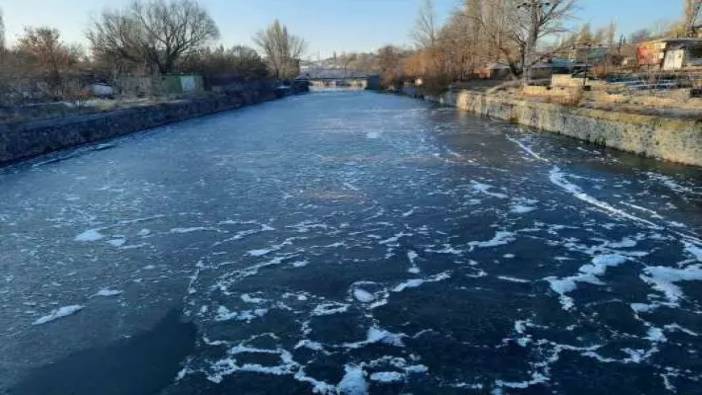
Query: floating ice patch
x: 526, y: 149
x: 351, y: 187
x: 394, y: 239
x: 670, y: 183
x: 378, y: 335
x: 107, y: 292
x: 144, y: 233
x: 246, y: 298
x: 418, y: 282
x: 223, y: 314
x: 117, y: 242
x: 330, y: 308
x: 61, y: 312
x: 513, y: 279
x: 301, y: 263
x: 587, y: 274
x: 501, y: 238
x: 558, y: 178
x: 353, y: 382
x: 694, y: 250
x: 664, y: 279
x: 521, y: 209
x: 90, y: 235
x: 191, y: 230
x: 485, y: 189
x: 387, y: 377
x: 412, y: 256
x: 363, y: 296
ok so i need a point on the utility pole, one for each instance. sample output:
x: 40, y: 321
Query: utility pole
x: 535, y: 9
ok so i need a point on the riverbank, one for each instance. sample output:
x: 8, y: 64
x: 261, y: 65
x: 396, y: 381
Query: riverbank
x: 676, y: 139
x: 23, y: 140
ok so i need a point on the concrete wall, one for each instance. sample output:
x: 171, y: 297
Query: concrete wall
x: 677, y: 140
x: 24, y: 140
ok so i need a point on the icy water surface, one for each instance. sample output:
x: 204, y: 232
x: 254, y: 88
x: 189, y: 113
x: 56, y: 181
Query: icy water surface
x: 349, y: 242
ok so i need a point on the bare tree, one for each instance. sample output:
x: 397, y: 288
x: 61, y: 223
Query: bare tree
x: 237, y: 62
x: 389, y: 64
x: 692, y: 14
x: 425, y: 29
x: 42, y: 50
x: 281, y: 49
x: 515, y: 28
x: 155, y: 33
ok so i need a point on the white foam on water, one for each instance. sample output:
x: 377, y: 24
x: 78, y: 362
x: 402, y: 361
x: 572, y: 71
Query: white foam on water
x: 372, y: 135
x: 378, y: 335
x: 246, y: 298
x: 655, y: 335
x: 144, y: 232
x: 664, y: 279
x: 412, y: 256
x: 513, y: 279
x: 527, y: 149
x: 301, y: 263
x: 694, y: 250
x: 485, y: 189
x: 192, y: 229
x: 265, y: 251
x: 330, y: 308
x: 387, y: 377
x: 501, y: 238
x: 521, y: 209
x: 90, y: 235
x: 418, y: 282
x: 56, y: 314
x: 670, y: 183
x: 559, y: 179
x: 353, y: 382
x: 394, y: 239
x: 351, y: 186
x: 588, y: 273
x: 223, y: 314
x: 675, y: 327
x: 117, y: 242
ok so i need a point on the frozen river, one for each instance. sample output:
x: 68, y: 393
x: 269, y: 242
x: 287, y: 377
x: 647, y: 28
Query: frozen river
x: 349, y: 242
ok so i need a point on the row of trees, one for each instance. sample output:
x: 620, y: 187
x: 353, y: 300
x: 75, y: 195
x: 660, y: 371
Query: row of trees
x: 144, y: 38
x: 516, y: 34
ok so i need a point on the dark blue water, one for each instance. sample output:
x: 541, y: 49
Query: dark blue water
x: 350, y: 242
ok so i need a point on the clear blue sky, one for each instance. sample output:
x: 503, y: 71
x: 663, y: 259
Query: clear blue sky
x: 327, y: 25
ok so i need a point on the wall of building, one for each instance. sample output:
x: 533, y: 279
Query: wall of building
x: 23, y: 140
x: 677, y: 140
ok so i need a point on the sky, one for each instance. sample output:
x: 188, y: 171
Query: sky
x: 327, y: 25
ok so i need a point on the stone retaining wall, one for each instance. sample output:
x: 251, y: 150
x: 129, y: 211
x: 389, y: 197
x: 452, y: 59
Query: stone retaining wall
x: 24, y: 140
x: 673, y: 139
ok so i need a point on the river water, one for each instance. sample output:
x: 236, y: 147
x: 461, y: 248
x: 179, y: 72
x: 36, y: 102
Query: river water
x: 349, y: 242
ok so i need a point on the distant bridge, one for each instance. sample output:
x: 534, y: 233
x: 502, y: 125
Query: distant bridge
x: 340, y: 78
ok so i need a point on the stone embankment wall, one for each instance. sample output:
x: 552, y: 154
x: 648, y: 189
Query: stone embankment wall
x: 24, y: 140
x: 673, y: 139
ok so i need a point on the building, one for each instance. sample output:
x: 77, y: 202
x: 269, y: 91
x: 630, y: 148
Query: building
x: 670, y: 54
